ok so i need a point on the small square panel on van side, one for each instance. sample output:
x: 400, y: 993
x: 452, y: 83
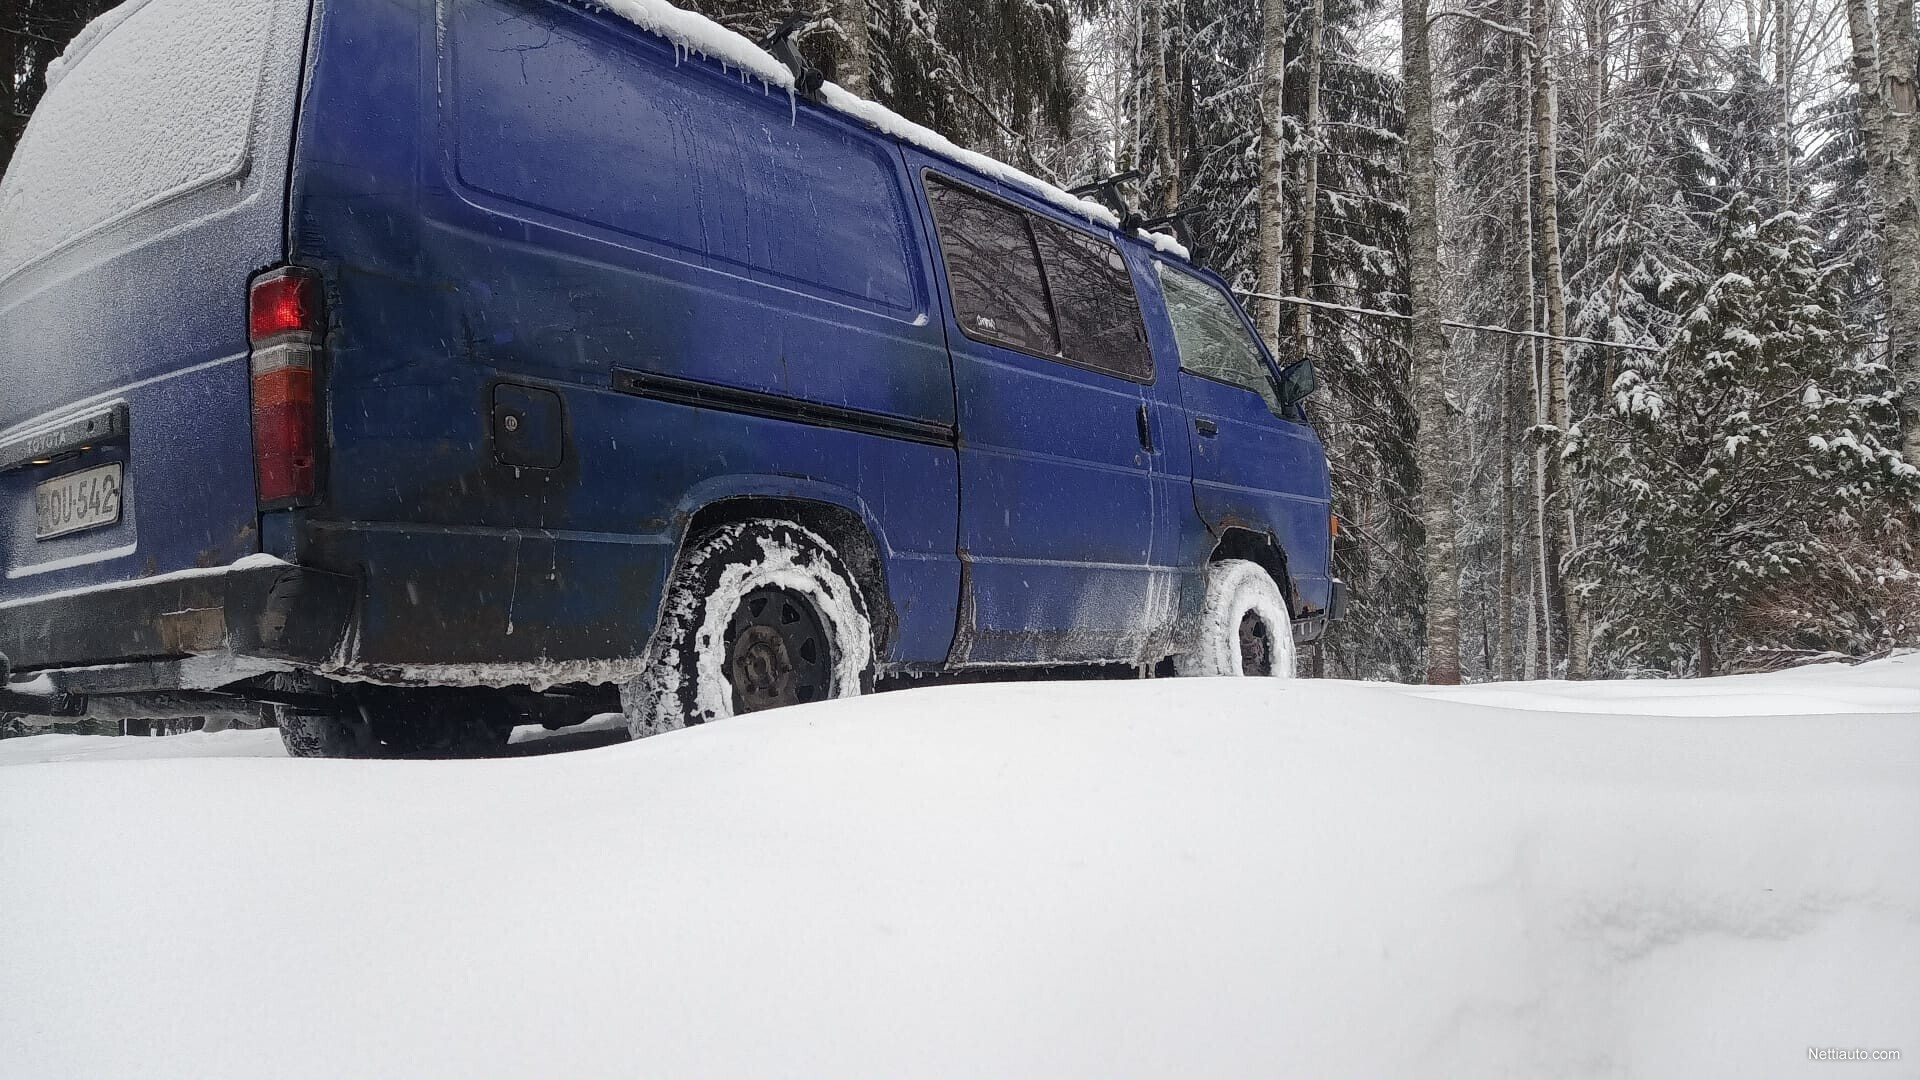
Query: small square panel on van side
x: 529, y: 427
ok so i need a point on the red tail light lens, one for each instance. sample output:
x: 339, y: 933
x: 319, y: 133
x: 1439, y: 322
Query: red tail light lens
x: 285, y: 320
x: 284, y: 301
x: 283, y: 429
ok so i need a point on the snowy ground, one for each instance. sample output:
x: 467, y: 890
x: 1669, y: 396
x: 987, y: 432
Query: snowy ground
x: 1172, y: 878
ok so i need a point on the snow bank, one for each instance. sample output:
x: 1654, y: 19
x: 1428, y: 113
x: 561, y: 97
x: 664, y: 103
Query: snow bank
x: 52, y: 749
x: 1203, y: 878
x: 1825, y: 689
x: 237, y: 743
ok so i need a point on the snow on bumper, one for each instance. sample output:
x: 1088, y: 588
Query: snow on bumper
x: 258, y: 610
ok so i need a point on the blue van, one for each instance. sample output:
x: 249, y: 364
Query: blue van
x: 406, y: 371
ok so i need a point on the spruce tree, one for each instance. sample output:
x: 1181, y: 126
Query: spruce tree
x: 1744, y: 457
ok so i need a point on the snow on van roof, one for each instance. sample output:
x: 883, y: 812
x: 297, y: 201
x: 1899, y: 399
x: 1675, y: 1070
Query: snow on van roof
x: 883, y: 119
x: 701, y: 36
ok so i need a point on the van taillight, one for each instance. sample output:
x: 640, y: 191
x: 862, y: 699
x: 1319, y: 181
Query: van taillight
x: 285, y: 319
x: 284, y: 301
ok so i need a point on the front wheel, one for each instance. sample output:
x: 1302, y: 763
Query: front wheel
x: 1244, y: 629
x: 758, y: 615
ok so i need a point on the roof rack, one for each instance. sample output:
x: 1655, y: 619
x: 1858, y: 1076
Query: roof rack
x: 1182, y: 231
x: 784, y: 44
x: 1107, y: 193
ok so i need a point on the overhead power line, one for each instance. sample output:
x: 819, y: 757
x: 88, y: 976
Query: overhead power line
x: 1378, y: 314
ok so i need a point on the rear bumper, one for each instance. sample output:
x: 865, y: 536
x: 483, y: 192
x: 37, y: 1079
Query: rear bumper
x: 1314, y: 625
x: 266, y: 616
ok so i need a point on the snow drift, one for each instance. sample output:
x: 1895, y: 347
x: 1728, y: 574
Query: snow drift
x: 1172, y: 878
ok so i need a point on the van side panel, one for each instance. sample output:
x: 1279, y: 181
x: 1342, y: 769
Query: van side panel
x: 125, y: 283
x: 1182, y: 542
x: 1057, y: 522
x: 529, y: 194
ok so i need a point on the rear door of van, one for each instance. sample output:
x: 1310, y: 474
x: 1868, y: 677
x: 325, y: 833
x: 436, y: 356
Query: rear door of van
x: 148, y: 189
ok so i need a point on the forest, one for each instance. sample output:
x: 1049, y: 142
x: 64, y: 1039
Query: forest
x: 1616, y: 302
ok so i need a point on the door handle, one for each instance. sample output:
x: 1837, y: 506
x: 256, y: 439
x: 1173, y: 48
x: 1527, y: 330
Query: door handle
x: 1146, y: 429
x: 1206, y: 427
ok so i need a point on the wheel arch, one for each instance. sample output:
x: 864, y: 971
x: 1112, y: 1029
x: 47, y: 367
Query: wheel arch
x: 1237, y: 542
x: 847, y: 528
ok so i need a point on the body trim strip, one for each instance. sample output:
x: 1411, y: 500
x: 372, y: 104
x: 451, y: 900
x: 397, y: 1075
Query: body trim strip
x: 705, y: 395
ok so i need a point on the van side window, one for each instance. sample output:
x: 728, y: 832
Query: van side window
x: 1093, y: 295
x: 993, y: 271
x: 1213, y: 337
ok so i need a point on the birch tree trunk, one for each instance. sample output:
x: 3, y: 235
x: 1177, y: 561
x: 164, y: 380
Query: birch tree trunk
x: 1166, y: 166
x: 1432, y: 449
x: 1783, y: 80
x: 1882, y: 64
x: 1505, y: 645
x: 855, y: 70
x: 1546, y: 125
x: 1599, y: 39
x: 1270, y: 243
x: 1303, y: 268
x: 1541, y: 587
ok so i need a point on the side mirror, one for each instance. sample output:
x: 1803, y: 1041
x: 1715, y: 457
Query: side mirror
x: 1297, y: 382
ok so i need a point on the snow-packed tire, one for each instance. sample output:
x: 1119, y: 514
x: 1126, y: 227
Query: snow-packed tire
x: 758, y: 614
x: 1244, y: 629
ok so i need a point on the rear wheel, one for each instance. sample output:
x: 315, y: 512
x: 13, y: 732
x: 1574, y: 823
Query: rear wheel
x: 759, y: 615
x: 1244, y: 629
x: 400, y: 724
x: 778, y: 652
x: 312, y: 735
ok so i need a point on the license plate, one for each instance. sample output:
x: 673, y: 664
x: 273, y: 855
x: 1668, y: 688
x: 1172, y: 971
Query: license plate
x: 77, y: 502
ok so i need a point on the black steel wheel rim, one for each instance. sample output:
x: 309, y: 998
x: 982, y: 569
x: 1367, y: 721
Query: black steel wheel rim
x: 1256, y: 648
x: 778, y: 653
